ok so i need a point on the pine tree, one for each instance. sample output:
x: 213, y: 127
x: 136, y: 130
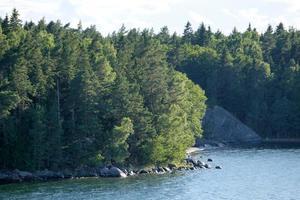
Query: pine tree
x: 5, y: 24
x: 38, y: 134
x: 187, y: 33
x: 268, y: 43
x: 20, y: 82
x: 164, y: 35
x: 202, y: 36
x: 14, y: 22
x: 83, y: 108
x: 117, y: 149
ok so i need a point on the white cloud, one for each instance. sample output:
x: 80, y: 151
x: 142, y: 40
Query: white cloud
x: 292, y: 5
x: 229, y: 13
x: 261, y: 20
x: 196, y: 19
x: 92, y: 7
x: 111, y: 14
x: 30, y: 7
x: 289, y: 15
x: 251, y: 15
x: 108, y: 15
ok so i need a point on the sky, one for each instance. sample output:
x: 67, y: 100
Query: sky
x: 109, y: 15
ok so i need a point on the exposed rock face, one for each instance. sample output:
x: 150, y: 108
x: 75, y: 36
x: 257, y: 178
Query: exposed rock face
x: 220, y: 125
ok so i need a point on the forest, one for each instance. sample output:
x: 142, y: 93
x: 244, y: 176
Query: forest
x: 71, y: 96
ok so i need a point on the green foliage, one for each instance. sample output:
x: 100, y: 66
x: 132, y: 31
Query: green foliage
x: 38, y: 137
x: 71, y: 97
x: 118, y: 147
x: 250, y: 74
x: 8, y: 101
x: 178, y: 127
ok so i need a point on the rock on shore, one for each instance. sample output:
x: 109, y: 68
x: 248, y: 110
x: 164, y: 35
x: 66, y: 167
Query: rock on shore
x: 16, y: 176
x: 112, y: 172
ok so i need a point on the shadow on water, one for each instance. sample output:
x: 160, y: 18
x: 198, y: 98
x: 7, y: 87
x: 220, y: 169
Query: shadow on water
x: 108, y: 186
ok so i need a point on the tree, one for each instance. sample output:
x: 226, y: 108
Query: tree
x: 72, y: 97
x: 187, y: 33
x: 117, y: 149
x: 202, y: 36
x: 20, y: 82
x: 268, y: 43
x: 83, y: 125
x: 3, y: 43
x: 14, y: 22
x: 5, y: 24
x: 186, y: 107
x: 164, y: 35
x: 38, y: 135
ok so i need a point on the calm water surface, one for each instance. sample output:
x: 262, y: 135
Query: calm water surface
x: 247, y: 174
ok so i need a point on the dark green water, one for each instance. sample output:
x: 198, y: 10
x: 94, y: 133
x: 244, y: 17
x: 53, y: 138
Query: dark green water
x: 247, y: 174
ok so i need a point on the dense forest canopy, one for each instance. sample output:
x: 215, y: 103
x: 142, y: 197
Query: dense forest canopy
x: 70, y: 96
x: 254, y: 76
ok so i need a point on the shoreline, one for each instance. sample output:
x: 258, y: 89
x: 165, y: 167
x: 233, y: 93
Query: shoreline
x: 193, y: 150
x: 18, y: 176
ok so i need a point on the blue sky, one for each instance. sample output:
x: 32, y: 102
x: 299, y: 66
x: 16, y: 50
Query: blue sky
x: 109, y: 15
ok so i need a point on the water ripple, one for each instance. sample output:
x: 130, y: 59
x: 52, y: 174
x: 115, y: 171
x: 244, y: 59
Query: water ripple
x: 259, y: 174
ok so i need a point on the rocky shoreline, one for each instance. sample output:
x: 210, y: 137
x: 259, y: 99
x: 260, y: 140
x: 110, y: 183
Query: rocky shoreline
x: 17, y: 176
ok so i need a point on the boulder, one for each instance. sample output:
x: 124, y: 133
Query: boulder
x: 112, y: 172
x: 104, y: 172
x: 218, y: 167
x: 220, y: 125
x: 160, y: 170
x: 116, y: 172
x: 48, y: 175
x: 200, y: 163
x: 142, y: 171
x: 85, y: 171
x: 26, y: 176
x: 67, y: 173
x: 167, y: 169
x: 125, y: 171
x: 172, y: 166
x: 9, y: 177
x: 209, y: 160
x: 190, y: 160
x: 131, y: 173
x: 207, y: 166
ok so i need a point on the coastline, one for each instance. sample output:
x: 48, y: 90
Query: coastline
x: 193, y: 150
x: 18, y: 176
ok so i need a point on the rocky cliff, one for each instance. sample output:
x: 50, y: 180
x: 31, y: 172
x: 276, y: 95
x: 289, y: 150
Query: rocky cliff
x: 220, y: 125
